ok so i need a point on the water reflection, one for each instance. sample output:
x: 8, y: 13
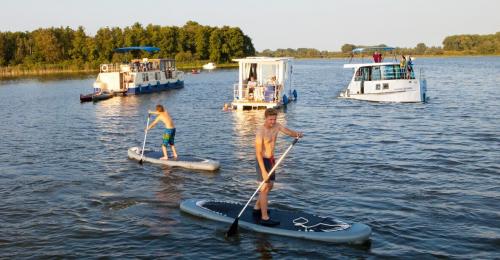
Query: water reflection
x: 263, y: 247
x: 167, y: 198
x: 245, y: 123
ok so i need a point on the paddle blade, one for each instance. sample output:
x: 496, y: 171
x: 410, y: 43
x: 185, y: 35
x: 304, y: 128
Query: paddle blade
x: 140, y: 161
x: 233, y: 230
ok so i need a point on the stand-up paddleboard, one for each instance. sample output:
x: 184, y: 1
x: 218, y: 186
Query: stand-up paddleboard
x: 292, y: 223
x: 185, y: 161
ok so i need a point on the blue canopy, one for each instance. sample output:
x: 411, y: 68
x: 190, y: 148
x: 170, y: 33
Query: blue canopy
x: 374, y: 48
x: 137, y: 48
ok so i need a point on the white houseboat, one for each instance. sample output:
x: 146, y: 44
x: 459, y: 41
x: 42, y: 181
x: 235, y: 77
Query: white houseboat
x: 264, y: 82
x: 385, y: 81
x: 139, y: 76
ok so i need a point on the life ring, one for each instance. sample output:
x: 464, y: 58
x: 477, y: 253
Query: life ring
x: 104, y: 67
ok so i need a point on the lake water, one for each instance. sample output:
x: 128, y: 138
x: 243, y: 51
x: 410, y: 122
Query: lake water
x: 425, y: 177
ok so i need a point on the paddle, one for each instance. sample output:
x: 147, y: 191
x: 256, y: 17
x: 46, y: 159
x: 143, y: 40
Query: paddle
x: 144, y: 143
x: 234, y: 227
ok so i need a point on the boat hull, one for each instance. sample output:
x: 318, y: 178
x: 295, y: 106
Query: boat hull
x: 155, y: 88
x: 86, y: 98
x: 412, y: 91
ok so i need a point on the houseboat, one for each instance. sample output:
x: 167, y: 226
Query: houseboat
x: 264, y: 82
x: 382, y: 81
x: 139, y: 76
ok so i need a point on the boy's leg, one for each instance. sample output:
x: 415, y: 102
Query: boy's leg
x: 174, y: 152
x: 263, y: 199
x: 165, y: 155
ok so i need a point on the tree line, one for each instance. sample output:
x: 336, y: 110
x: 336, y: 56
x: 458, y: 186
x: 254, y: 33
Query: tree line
x: 64, y: 45
x: 466, y: 44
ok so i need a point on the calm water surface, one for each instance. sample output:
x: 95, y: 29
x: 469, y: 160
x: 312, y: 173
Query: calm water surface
x: 425, y: 177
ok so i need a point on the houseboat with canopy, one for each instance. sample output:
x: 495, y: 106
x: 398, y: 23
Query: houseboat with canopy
x: 385, y: 81
x: 264, y: 82
x: 139, y: 76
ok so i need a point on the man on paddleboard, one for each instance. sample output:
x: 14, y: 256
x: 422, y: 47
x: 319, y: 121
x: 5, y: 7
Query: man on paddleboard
x: 168, y: 134
x: 265, y: 142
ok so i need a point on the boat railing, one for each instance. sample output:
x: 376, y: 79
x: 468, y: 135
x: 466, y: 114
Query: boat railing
x: 260, y: 93
x: 110, y: 67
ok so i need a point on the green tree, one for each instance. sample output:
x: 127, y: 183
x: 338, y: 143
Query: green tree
x: 421, y: 48
x: 347, y: 48
x: 79, y: 51
x: 3, y: 49
x: 215, y: 49
x: 46, y: 46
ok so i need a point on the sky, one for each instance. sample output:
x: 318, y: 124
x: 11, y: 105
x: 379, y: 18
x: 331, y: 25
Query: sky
x: 272, y: 24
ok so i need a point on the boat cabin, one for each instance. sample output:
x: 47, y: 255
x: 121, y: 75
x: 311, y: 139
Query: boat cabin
x: 263, y: 82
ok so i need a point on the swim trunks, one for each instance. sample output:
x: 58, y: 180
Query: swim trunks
x: 168, y: 136
x: 268, y: 163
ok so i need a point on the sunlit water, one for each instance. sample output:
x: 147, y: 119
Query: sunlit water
x: 425, y: 177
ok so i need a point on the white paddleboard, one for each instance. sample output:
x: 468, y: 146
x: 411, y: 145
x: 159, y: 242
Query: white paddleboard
x: 185, y: 161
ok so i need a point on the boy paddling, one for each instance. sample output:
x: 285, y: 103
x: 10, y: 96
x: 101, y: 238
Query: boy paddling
x: 265, y: 142
x: 169, y: 133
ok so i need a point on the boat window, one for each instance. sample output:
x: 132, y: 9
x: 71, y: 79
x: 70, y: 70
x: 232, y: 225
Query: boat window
x: 389, y: 72
x: 376, y: 73
x: 363, y: 74
x: 268, y: 71
x: 386, y: 85
x: 377, y: 87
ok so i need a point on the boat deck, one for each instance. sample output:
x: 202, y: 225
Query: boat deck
x: 250, y: 105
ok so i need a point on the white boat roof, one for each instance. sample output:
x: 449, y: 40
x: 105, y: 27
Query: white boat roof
x: 263, y: 59
x: 357, y: 65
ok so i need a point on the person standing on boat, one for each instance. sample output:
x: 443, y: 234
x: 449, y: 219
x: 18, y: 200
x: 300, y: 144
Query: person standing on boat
x: 409, y: 67
x: 265, y: 142
x: 252, y: 84
x: 402, y: 66
x: 168, y: 134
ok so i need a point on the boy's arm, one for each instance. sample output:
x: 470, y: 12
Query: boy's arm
x: 258, y: 154
x: 290, y: 132
x: 154, y: 123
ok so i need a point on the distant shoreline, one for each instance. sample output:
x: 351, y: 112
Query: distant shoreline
x: 16, y: 71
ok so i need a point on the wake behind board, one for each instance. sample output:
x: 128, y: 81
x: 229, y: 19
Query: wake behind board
x: 292, y: 223
x: 185, y: 161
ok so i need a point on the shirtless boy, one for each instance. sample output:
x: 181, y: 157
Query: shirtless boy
x: 168, y: 134
x: 265, y: 141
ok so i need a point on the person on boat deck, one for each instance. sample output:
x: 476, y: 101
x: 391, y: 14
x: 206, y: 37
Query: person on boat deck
x: 402, y: 65
x: 252, y: 84
x: 272, y: 81
x: 168, y: 134
x: 265, y: 141
x: 409, y: 67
